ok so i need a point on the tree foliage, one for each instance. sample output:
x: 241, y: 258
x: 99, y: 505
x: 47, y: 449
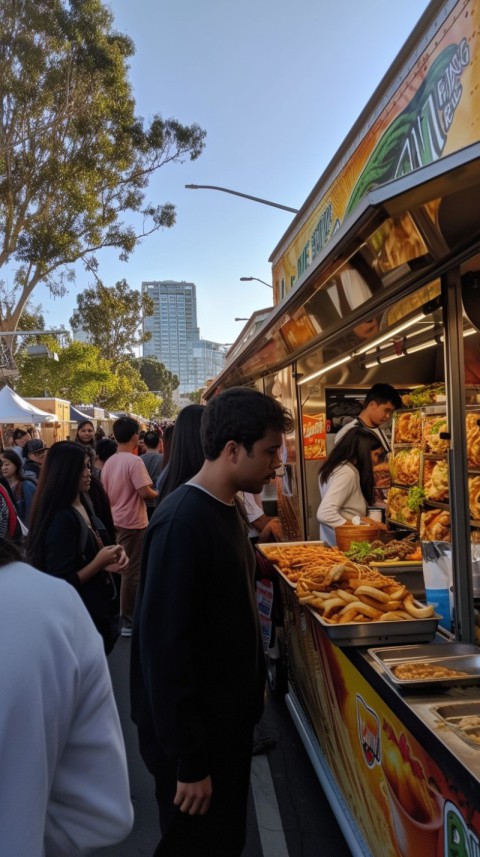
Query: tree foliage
x: 158, y: 378
x: 82, y: 375
x: 112, y: 317
x: 75, y: 160
x: 196, y: 396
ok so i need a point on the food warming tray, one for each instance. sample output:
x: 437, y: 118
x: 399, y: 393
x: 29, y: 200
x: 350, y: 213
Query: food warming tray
x: 365, y: 633
x: 380, y: 633
x: 451, y: 716
x: 409, y: 573
x: 456, y: 656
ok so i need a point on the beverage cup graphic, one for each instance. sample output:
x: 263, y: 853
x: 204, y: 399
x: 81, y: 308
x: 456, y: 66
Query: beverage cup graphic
x: 415, y: 836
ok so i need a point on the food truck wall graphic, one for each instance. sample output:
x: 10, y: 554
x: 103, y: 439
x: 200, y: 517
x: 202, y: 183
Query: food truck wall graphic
x: 377, y: 279
x: 434, y: 111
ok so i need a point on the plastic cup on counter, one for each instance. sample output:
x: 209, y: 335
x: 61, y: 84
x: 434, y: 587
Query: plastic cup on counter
x: 438, y: 580
x: 376, y: 513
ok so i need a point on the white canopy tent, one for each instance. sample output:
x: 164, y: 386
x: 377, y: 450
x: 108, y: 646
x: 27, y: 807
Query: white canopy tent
x: 14, y: 409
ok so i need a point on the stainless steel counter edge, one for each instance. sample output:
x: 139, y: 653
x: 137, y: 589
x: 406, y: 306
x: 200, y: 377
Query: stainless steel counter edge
x: 417, y: 712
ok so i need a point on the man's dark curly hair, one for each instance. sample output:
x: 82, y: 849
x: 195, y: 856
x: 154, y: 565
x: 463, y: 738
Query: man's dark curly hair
x: 243, y: 415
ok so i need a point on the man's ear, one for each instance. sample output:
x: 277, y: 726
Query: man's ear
x: 231, y: 450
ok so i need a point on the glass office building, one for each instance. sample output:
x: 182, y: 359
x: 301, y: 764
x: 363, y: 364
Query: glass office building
x: 175, y: 337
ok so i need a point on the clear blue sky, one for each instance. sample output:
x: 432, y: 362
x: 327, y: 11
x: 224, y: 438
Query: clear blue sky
x: 277, y: 86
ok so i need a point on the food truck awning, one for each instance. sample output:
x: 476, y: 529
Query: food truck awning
x: 453, y: 183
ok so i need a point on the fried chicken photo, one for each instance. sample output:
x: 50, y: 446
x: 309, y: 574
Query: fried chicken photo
x: 408, y: 427
x: 435, y: 477
x: 474, y: 496
x: 435, y: 526
x: 406, y: 466
x: 432, y: 428
x: 398, y: 509
x: 473, y: 440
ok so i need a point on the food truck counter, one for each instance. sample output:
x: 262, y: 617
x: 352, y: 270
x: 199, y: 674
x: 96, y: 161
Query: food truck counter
x: 399, y: 776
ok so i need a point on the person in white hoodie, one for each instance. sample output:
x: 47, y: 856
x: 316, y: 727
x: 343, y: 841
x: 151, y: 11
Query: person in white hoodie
x: 64, y: 787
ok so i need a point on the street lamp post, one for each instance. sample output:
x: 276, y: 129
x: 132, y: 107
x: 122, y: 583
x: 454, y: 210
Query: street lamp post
x: 237, y: 318
x: 244, y: 195
x: 249, y: 279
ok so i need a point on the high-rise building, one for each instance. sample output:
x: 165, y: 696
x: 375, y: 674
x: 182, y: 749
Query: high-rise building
x: 175, y: 338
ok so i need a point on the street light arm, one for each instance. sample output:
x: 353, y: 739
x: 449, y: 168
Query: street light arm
x: 245, y: 196
x: 248, y: 279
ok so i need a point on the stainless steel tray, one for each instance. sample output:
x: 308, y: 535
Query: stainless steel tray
x: 410, y: 574
x: 456, y: 656
x: 452, y: 714
x: 380, y: 633
x: 365, y: 633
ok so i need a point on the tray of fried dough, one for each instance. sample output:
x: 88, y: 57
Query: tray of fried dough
x: 429, y: 667
x: 358, y: 606
x: 293, y: 559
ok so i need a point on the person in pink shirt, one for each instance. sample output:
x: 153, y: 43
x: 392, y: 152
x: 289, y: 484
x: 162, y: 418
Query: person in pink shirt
x: 128, y: 484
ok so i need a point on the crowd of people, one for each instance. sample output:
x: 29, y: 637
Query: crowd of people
x: 125, y: 534
x: 149, y: 535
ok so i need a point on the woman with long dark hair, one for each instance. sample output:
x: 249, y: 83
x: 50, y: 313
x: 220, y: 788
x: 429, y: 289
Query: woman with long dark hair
x: 22, y: 488
x: 66, y: 539
x: 186, y: 452
x: 346, y: 481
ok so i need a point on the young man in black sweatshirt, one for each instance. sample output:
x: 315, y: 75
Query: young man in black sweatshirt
x: 197, y: 660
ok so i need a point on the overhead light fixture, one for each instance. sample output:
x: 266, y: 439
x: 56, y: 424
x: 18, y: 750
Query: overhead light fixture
x: 326, y: 368
x: 390, y: 335
x: 380, y: 359
x: 411, y: 349
x: 390, y: 357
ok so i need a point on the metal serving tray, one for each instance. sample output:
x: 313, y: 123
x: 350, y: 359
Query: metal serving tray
x: 455, y: 656
x: 380, y: 633
x: 364, y: 633
x: 408, y: 573
x: 451, y: 715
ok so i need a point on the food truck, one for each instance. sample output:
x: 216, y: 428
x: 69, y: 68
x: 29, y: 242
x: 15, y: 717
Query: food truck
x: 377, y: 279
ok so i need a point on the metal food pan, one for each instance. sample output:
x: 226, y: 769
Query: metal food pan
x: 456, y: 656
x: 409, y: 574
x: 380, y: 633
x: 452, y: 714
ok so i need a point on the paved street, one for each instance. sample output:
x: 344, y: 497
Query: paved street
x: 288, y: 813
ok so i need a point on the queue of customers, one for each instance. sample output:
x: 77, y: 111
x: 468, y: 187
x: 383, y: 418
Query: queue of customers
x: 107, y: 568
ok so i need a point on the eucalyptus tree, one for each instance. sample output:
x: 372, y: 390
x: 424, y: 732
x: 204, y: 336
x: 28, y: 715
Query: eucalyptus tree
x: 75, y: 159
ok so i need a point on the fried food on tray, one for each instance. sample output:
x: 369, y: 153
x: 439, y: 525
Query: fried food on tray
x: 435, y: 526
x: 406, y: 466
x: 292, y: 560
x: 420, y: 670
x: 473, y: 439
x: 398, y: 509
x: 432, y: 428
x: 408, y: 427
x: 435, y: 477
x: 474, y: 496
x: 348, y: 592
